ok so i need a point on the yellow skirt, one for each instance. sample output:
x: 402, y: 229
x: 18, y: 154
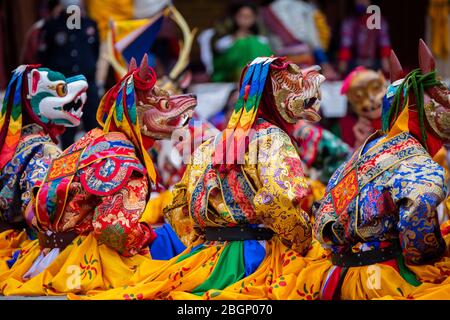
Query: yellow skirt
x: 10, y: 242
x: 378, y: 281
x: 182, y: 276
x: 275, y: 279
x: 82, y: 266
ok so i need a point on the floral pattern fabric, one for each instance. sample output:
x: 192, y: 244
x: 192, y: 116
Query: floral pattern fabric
x: 398, y: 189
x: 274, y: 186
x: 277, y: 182
x: 29, y: 166
x: 106, y: 194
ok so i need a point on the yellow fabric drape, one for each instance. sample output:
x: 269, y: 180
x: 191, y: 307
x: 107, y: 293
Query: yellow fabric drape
x: 380, y: 281
x: 274, y: 279
x: 323, y: 29
x: 82, y: 266
x: 10, y: 241
x: 155, y: 206
x: 102, y: 11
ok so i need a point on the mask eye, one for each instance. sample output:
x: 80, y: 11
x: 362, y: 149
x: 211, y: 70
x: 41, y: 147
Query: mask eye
x: 164, y: 104
x: 61, y: 89
x: 357, y: 94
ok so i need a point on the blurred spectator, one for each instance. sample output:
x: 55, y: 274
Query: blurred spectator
x: 164, y: 52
x: 300, y: 31
x: 236, y: 42
x: 361, y: 46
x: 365, y: 90
x: 72, y: 52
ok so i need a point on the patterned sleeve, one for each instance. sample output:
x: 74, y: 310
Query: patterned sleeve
x: 116, y: 219
x: 36, y: 170
x: 177, y: 213
x: 277, y: 202
x: 418, y: 187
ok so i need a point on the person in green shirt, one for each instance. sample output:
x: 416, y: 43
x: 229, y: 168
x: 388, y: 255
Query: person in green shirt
x: 237, y: 42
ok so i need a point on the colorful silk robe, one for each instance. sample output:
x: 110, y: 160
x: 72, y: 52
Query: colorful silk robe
x: 266, y: 190
x: 388, y: 193
x: 97, y: 185
x: 29, y: 165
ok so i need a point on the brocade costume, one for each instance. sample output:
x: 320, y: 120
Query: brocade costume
x: 87, y: 211
x: 106, y: 188
x: 246, y: 234
x: 263, y: 194
x: 31, y: 115
x: 385, y: 196
x: 379, y: 215
x: 28, y: 166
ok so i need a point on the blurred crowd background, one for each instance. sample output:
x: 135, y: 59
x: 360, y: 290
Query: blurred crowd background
x: 330, y: 33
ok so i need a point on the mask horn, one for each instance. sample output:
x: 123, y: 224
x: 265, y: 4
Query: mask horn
x: 426, y: 59
x: 427, y: 64
x: 144, y: 73
x: 132, y: 65
x: 395, y: 68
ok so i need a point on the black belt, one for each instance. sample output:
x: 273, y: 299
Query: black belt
x: 237, y: 234
x: 56, y: 239
x: 365, y: 258
x: 5, y: 226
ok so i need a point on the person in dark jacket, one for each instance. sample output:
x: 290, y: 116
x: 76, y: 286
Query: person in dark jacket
x: 72, y: 48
